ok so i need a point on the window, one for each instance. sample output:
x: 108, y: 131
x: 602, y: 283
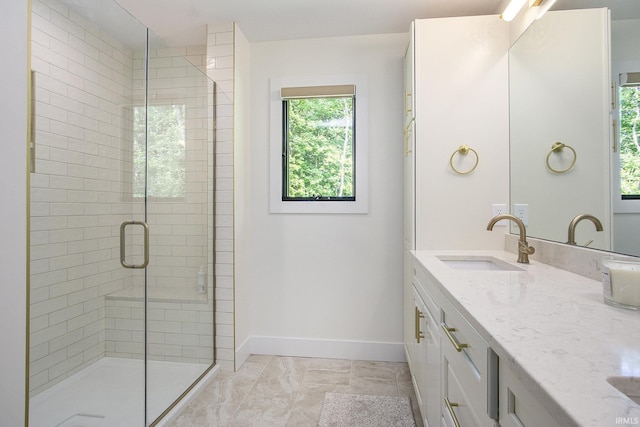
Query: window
x: 318, y: 143
x: 626, y: 152
x: 162, y: 142
x: 629, y: 107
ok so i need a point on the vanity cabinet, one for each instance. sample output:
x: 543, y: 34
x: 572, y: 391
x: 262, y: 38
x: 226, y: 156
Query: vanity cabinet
x: 455, y: 373
x: 459, y: 380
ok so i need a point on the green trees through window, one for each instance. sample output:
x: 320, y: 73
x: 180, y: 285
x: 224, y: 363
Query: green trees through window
x: 318, y: 156
x: 629, y: 142
x: 163, y: 144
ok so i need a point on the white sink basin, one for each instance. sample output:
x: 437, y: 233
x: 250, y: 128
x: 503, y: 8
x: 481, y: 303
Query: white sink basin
x: 472, y: 262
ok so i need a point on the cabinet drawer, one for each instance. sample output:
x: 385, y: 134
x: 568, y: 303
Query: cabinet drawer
x: 467, y: 354
x: 460, y: 337
x: 456, y: 407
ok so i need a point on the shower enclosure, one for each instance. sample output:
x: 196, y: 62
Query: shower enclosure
x: 121, y: 306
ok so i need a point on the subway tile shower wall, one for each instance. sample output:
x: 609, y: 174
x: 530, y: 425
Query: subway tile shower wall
x: 220, y: 51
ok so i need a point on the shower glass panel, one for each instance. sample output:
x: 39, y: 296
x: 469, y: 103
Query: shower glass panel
x: 179, y: 301
x: 123, y: 174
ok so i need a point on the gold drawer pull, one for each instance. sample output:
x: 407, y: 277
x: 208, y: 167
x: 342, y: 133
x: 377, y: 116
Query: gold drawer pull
x: 456, y: 344
x: 450, y: 408
x: 418, y: 315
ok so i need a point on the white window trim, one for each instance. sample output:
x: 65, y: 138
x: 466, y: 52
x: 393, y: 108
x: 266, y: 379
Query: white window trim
x: 361, y: 204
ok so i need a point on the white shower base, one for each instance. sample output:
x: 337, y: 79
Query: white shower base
x: 111, y: 393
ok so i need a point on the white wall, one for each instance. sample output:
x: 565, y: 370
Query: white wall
x: 13, y: 188
x: 329, y: 277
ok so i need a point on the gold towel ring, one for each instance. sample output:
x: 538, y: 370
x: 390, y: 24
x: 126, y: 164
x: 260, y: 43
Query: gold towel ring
x: 464, y: 150
x: 557, y: 147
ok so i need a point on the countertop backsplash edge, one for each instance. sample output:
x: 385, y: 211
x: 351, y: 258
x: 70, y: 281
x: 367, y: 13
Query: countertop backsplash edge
x: 586, y: 262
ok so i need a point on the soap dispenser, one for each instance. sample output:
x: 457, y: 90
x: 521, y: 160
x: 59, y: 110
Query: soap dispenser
x: 202, y: 281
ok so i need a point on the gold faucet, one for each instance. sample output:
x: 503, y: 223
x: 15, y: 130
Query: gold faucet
x: 574, y: 222
x: 524, y: 250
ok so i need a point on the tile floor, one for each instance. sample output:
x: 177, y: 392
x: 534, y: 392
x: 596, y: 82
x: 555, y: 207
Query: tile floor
x: 270, y: 391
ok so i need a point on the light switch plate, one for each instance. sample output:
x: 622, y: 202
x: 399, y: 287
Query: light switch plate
x: 521, y: 210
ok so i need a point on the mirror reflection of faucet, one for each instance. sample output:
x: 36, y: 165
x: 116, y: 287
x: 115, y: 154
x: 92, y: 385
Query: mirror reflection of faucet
x: 571, y: 239
x: 524, y: 250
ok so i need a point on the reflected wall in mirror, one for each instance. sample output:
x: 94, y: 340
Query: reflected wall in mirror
x: 560, y: 91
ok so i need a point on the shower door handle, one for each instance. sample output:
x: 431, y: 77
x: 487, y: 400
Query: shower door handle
x: 32, y: 122
x: 123, y: 255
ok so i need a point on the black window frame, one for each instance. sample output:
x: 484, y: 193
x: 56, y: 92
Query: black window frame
x: 285, y: 157
x: 633, y: 82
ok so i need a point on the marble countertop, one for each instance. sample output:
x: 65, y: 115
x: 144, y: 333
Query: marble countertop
x: 554, y: 331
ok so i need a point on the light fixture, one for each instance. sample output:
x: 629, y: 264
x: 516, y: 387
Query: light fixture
x: 514, y: 7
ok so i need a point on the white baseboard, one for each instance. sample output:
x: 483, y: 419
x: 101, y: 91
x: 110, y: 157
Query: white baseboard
x: 242, y: 353
x: 330, y: 349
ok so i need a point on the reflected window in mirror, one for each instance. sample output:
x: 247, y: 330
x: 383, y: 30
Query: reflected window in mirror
x: 629, y: 137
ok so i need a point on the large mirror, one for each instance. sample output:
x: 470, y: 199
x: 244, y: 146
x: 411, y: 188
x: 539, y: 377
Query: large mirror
x: 574, y: 140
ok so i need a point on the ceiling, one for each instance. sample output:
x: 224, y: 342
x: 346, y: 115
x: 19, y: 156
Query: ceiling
x: 181, y: 22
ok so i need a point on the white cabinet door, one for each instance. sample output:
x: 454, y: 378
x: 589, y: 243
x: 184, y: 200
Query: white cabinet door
x: 408, y: 325
x: 409, y: 146
x: 461, y: 97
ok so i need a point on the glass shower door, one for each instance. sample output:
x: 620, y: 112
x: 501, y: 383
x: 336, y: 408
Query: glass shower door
x: 86, y: 313
x: 179, y: 147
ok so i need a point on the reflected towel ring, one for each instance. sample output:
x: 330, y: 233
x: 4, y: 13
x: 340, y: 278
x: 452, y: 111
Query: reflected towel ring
x: 464, y: 150
x: 557, y: 147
